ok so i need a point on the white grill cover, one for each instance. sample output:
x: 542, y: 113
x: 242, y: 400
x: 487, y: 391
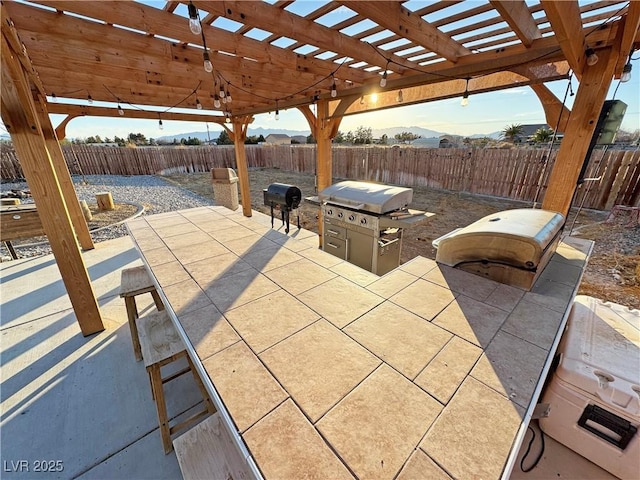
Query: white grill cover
x: 518, y: 238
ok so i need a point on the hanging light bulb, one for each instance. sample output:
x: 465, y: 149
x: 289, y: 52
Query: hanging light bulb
x: 626, y: 73
x: 53, y: 97
x: 465, y: 95
x: 208, y: 66
x: 222, y: 92
x: 592, y: 58
x: 216, y: 101
x: 228, y: 118
x: 198, y: 104
x: 400, y: 97
x: 224, y: 100
x: 194, y: 21
x: 277, y: 114
x: 160, y: 126
x: 334, y: 90
x: 120, y: 110
x: 383, y: 80
x: 89, y: 99
x: 229, y: 99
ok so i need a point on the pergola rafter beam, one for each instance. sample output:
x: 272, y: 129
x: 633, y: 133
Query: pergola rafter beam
x: 517, y: 15
x: 567, y: 24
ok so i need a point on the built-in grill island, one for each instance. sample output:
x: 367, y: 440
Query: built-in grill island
x: 511, y: 247
x: 364, y: 222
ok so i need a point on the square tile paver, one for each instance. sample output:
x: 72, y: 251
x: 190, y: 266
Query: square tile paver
x: 340, y: 301
x: 355, y: 274
x: 231, y: 291
x: 230, y: 233
x: 444, y: 374
x: 404, y: 340
x: 286, y: 434
x: 421, y: 466
x: 186, y: 296
x: 534, y: 323
x: 208, y: 331
x: 170, y: 273
x: 207, y: 271
x: 472, y: 320
x: 158, y: 256
x: 379, y: 424
x: 391, y: 283
x: 272, y: 318
x: 419, y: 266
x: 247, y: 389
x: 300, y: 275
x: 473, y: 435
x: 318, y: 366
x: 424, y: 298
x: 200, y: 251
x: 266, y: 259
x: 505, y: 297
x: 186, y: 240
x: 323, y: 259
x: 512, y: 367
x: 553, y: 295
x: 463, y: 282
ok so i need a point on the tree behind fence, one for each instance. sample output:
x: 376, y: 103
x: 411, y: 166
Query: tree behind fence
x: 519, y: 174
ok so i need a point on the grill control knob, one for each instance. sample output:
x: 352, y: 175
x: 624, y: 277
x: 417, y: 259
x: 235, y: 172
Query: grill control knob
x: 329, y: 212
x: 340, y: 215
x: 363, y: 221
x: 352, y: 218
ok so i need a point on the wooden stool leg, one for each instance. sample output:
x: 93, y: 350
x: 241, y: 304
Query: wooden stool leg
x: 205, y: 395
x: 132, y: 315
x: 163, y: 418
x: 157, y: 300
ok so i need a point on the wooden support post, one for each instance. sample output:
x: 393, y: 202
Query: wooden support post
x: 580, y: 128
x: 21, y: 120
x: 64, y: 178
x: 104, y: 201
x: 239, y: 135
x: 324, y: 129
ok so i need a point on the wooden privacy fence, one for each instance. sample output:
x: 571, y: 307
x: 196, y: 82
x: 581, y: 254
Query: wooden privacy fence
x: 519, y: 174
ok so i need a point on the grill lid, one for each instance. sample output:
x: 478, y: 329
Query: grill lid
x: 372, y: 197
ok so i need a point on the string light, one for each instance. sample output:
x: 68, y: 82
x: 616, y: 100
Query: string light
x: 626, y: 72
x: 383, y: 80
x: 208, y: 66
x: 334, y: 91
x: 89, y: 99
x: 228, y: 96
x: 120, y: 110
x: 592, y: 58
x: 228, y: 118
x: 216, y: 101
x: 160, y: 126
x: 194, y: 20
x: 198, y: 104
x: 465, y: 95
x: 277, y: 111
x: 53, y: 97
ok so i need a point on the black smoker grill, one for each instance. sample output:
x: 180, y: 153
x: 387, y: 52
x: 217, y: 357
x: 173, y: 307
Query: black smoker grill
x: 286, y: 198
x: 363, y: 223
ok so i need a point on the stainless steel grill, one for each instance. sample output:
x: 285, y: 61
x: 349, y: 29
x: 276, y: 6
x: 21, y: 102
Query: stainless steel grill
x: 364, y: 222
x: 511, y: 247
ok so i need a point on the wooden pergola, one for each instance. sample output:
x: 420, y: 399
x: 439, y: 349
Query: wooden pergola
x: 267, y: 58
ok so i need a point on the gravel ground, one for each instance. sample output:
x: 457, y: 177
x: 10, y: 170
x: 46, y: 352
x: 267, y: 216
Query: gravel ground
x: 154, y: 193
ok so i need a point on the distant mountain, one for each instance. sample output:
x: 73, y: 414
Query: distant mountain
x: 377, y: 133
x: 393, y: 131
x: 251, y: 132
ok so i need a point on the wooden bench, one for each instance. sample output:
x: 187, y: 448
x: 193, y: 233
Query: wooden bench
x: 133, y: 282
x: 161, y: 345
x: 206, y: 451
x: 18, y: 222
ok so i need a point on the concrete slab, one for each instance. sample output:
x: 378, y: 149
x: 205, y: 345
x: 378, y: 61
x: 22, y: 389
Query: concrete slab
x: 82, y: 403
